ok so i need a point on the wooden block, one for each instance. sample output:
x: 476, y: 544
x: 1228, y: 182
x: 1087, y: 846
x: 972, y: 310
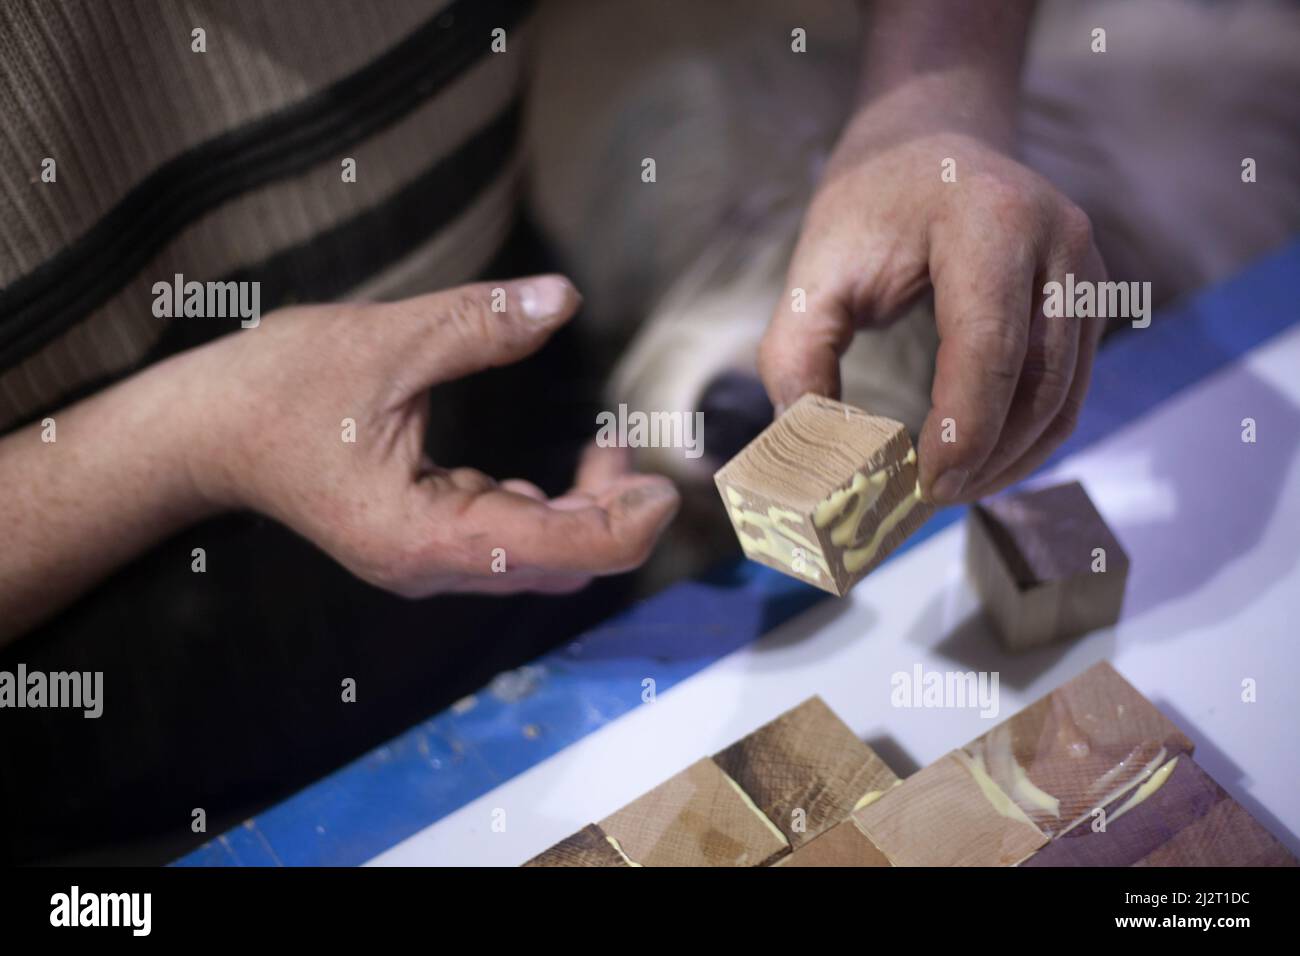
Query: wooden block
x: 1180, y: 817
x: 588, y: 847
x: 842, y: 845
x: 1031, y: 557
x: 949, y: 814
x: 1226, y: 836
x: 824, y: 493
x: 806, y: 760
x: 1084, y: 745
x: 700, y: 817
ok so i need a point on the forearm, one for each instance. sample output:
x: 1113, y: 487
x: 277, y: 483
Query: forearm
x: 964, y: 57
x: 115, y: 480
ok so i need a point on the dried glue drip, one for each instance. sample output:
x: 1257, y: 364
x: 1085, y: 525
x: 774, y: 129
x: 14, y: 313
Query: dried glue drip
x: 1003, y: 766
x: 1151, y: 786
x: 871, y: 796
x: 779, y: 540
x: 995, y: 795
x: 745, y: 798
x: 619, y: 850
x: 864, y: 491
x: 859, y: 558
x: 1114, y: 794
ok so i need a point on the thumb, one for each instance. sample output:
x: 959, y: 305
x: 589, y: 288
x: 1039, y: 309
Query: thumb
x: 456, y: 332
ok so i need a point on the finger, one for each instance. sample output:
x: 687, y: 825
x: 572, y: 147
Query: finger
x: 520, y: 583
x: 614, y: 532
x: 800, y: 351
x: 600, y: 467
x: 598, y: 470
x: 983, y: 295
x: 1045, y: 380
x: 1062, y: 425
x: 1053, y: 351
x: 469, y: 479
x: 450, y: 334
x: 526, y: 488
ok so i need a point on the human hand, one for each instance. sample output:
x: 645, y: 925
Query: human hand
x: 274, y: 403
x: 882, y: 229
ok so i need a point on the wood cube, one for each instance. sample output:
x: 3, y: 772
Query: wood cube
x: 806, y: 770
x: 1035, y: 561
x: 590, y: 846
x: 1178, y: 817
x: 701, y: 817
x: 949, y: 814
x: 1087, y: 744
x: 825, y: 493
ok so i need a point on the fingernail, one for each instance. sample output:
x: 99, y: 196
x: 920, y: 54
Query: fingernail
x: 645, y: 498
x: 660, y: 491
x: 546, y: 298
x: 949, y: 485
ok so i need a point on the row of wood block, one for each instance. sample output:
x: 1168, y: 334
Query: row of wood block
x: 1092, y: 774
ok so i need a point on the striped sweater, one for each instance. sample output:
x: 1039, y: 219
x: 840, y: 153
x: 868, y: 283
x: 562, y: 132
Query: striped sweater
x: 144, y: 139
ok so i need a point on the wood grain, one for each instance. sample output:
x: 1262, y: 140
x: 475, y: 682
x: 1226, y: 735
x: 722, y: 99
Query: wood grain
x: 1084, y: 745
x: 1188, y: 821
x: 805, y: 760
x: 1030, y: 557
x: 700, y: 817
x: 588, y: 847
x: 843, y: 845
x: 945, y: 815
x: 825, y: 493
x: 1023, y: 793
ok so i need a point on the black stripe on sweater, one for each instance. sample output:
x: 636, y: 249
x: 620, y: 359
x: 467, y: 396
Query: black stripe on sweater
x: 333, y: 262
x: 45, y: 303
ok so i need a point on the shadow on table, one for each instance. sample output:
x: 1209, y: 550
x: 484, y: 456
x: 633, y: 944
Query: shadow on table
x: 1225, y: 495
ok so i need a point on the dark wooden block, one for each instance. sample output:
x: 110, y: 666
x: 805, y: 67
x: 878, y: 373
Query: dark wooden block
x: 588, y: 847
x: 825, y: 493
x: 806, y: 770
x: 1179, y: 818
x: 1031, y: 558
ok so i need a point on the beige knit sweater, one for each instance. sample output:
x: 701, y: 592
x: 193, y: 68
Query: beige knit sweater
x: 140, y: 139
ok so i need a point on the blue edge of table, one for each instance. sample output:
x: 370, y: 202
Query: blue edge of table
x: 454, y: 757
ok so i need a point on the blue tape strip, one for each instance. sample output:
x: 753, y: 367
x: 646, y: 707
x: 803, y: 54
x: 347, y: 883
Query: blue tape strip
x: 455, y: 757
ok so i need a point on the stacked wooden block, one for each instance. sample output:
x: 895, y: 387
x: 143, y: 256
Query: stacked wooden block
x: 748, y: 805
x: 1092, y: 774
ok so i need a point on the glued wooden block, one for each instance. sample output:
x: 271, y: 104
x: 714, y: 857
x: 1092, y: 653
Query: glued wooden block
x: 805, y: 760
x: 1180, y: 818
x: 842, y: 845
x: 588, y: 847
x: 700, y: 817
x: 1084, y: 745
x: 1031, y: 558
x: 949, y: 814
x: 824, y: 493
